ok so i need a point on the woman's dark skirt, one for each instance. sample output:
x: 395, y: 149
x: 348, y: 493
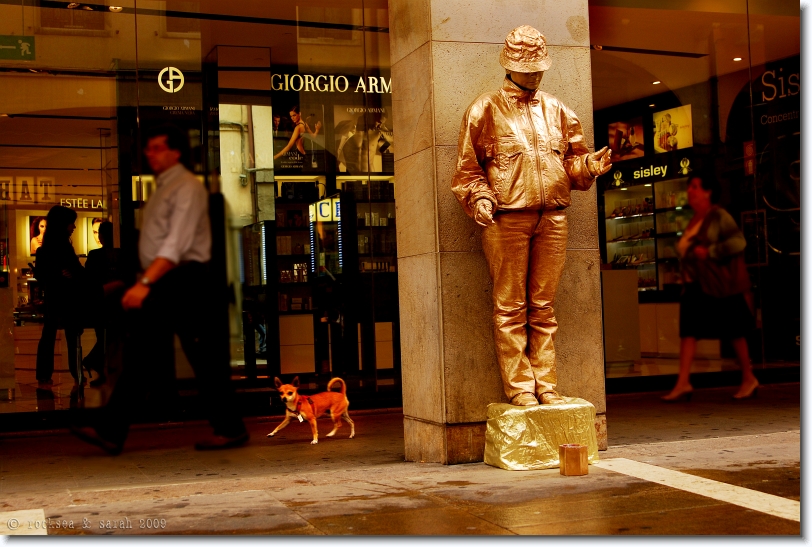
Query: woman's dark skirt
x: 705, y: 317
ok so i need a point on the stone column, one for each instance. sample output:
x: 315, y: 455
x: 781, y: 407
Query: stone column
x: 444, y: 54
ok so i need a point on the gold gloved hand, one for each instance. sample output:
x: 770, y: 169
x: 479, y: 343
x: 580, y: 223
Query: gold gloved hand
x: 483, y: 212
x: 600, y: 162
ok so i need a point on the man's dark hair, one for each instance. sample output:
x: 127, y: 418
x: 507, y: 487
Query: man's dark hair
x: 106, y: 233
x: 176, y: 139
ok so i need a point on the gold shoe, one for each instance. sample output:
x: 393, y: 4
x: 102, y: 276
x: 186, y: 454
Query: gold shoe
x: 524, y: 399
x: 551, y: 398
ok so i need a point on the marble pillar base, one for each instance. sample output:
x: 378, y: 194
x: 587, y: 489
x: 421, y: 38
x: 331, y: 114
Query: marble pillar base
x: 443, y: 443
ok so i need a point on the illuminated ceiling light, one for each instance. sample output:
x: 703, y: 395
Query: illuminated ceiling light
x: 737, y: 59
x: 3, y: 115
x: 656, y: 82
x: 73, y: 5
x: 647, y: 185
x: 652, y: 105
x: 87, y: 8
x: 115, y: 9
x: 624, y: 189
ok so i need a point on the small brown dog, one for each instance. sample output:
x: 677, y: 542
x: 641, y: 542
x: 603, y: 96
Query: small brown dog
x: 308, y: 408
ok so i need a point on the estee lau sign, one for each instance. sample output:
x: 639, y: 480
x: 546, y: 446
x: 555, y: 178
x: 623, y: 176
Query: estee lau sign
x: 81, y: 203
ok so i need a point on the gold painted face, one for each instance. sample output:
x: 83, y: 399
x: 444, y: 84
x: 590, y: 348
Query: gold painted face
x: 527, y: 80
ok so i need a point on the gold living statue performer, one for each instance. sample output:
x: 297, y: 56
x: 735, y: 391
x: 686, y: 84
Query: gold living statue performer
x: 520, y: 153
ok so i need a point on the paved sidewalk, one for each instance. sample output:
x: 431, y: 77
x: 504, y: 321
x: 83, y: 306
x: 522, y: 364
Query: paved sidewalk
x: 704, y: 449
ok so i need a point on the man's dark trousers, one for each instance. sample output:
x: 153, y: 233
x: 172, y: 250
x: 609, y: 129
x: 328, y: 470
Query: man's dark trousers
x: 181, y: 303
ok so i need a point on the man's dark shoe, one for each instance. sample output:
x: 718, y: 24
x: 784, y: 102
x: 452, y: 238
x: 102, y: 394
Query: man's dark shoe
x: 91, y: 436
x: 218, y: 442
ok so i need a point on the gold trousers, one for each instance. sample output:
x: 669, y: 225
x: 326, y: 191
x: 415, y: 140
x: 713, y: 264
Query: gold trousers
x: 525, y: 251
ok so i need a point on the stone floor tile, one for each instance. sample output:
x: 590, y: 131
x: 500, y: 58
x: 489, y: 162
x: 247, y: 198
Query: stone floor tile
x: 720, y: 519
x: 441, y: 521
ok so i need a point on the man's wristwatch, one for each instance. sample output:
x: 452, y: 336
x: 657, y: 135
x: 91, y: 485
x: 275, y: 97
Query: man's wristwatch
x: 145, y: 281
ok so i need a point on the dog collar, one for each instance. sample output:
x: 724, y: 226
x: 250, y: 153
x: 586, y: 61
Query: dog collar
x: 299, y: 404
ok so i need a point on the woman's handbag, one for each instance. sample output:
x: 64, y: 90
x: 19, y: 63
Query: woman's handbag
x: 725, y: 276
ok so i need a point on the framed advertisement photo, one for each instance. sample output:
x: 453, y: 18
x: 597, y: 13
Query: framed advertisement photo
x: 36, y: 231
x: 364, y: 141
x: 626, y: 139
x: 92, y: 231
x: 673, y: 129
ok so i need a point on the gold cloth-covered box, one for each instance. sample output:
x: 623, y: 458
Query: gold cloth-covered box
x: 522, y: 438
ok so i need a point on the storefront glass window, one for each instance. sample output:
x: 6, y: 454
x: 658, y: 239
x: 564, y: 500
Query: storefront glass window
x: 712, y: 88
x: 288, y: 110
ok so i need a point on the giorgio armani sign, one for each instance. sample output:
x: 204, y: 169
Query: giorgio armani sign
x: 330, y: 83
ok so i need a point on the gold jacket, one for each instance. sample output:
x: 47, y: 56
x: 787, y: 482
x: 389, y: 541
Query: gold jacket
x: 521, y: 150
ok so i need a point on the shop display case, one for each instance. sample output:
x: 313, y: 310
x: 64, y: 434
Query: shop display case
x: 375, y: 221
x: 641, y: 228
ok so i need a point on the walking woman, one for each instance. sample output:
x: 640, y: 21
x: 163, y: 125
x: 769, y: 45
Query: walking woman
x: 712, y: 235
x: 60, y: 274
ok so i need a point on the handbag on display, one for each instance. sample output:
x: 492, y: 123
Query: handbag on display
x: 721, y: 277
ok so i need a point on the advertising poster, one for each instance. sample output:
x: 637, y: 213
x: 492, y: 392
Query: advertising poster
x: 364, y: 141
x: 93, y: 224
x: 672, y: 129
x: 37, y: 226
x: 298, y: 137
x: 626, y: 139
x: 36, y: 230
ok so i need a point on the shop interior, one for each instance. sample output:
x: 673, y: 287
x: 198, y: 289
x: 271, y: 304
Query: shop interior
x: 701, y: 100
x: 289, y: 111
x: 287, y: 108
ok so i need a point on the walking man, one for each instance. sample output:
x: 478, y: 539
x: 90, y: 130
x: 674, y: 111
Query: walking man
x: 170, y: 297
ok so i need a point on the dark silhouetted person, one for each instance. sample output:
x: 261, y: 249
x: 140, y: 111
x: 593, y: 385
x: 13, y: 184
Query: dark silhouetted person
x: 104, y: 269
x: 170, y: 298
x: 60, y: 274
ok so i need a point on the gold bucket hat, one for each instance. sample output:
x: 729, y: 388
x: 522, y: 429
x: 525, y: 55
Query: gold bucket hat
x: 525, y: 51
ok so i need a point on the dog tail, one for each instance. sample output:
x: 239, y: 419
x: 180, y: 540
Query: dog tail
x: 343, y: 385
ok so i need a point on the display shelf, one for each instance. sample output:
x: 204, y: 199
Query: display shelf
x: 630, y: 216
x: 662, y: 208
x: 685, y: 208
x: 294, y: 256
x: 631, y: 239
x: 297, y: 229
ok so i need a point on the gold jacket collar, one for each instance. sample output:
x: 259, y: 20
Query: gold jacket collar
x: 516, y: 94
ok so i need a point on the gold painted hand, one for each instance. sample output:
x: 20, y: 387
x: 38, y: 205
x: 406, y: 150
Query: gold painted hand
x: 598, y: 163
x: 483, y: 213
